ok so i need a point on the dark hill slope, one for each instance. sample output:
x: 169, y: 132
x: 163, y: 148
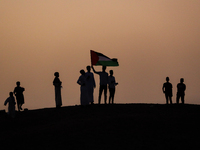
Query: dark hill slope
x: 98, y: 127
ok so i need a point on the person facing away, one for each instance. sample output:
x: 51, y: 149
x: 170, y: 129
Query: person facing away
x: 83, y: 89
x: 90, y: 84
x: 111, y: 86
x: 57, y: 84
x: 11, y: 105
x: 18, y: 91
x: 181, y: 87
x: 167, y: 89
x: 103, y: 83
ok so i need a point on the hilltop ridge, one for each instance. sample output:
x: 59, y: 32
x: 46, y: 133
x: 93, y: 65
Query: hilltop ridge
x: 118, y: 126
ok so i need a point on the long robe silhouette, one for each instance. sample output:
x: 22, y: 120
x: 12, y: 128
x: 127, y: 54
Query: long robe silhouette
x: 83, y: 89
x: 90, y: 85
x: 57, y: 84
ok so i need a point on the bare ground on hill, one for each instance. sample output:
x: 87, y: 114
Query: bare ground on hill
x: 100, y: 127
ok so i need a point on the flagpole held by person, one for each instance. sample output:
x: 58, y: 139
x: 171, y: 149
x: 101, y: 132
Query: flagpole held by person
x: 103, y: 75
x: 99, y: 59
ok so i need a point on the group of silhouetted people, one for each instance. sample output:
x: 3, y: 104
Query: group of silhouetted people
x: 87, y: 83
x: 18, y: 92
x: 167, y: 90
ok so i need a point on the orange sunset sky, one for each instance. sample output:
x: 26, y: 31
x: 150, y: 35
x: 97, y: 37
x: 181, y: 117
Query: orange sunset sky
x: 151, y: 39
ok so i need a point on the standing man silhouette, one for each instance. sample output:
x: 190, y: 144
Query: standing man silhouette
x: 18, y: 91
x: 103, y: 83
x: 167, y: 89
x: 181, y: 87
x: 57, y: 84
x: 90, y: 84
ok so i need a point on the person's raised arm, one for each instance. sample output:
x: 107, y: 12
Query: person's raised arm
x: 93, y: 69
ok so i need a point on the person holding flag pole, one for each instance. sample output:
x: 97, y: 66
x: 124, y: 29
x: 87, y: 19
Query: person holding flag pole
x: 103, y: 83
x: 98, y: 59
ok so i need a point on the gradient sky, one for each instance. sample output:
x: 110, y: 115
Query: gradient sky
x: 151, y: 39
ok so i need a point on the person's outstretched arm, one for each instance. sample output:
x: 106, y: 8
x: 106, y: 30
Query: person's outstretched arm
x: 116, y: 83
x: 93, y: 69
x: 6, y: 101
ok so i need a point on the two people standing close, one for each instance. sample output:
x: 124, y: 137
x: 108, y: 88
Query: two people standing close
x: 167, y: 90
x: 103, y: 76
x: 87, y: 83
x: 104, y: 81
x: 18, y: 92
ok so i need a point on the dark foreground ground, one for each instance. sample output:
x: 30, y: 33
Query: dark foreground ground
x: 119, y: 126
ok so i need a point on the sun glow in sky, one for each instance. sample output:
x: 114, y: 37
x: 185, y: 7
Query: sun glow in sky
x: 151, y: 39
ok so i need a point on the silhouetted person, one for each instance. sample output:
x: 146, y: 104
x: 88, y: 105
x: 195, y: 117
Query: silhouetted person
x: 181, y: 87
x: 11, y: 105
x: 57, y: 84
x: 111, y: 86
x: 103, y: 83
x: 84, y: 92
x: 167, y: 89
x: 18, y: 91
x: 90, y: 84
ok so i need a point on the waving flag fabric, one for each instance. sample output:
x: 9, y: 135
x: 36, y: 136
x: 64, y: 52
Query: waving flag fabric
x: 99, y: 59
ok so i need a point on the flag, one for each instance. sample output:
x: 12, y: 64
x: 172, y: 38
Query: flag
x: 99, y: 59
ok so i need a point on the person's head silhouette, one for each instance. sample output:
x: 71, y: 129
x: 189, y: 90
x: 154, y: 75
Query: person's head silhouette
x: 82, y: 72
x: 18, y: 83
x: 11, y: 94
x: 103, y: 68
x: 56, y: 74
x: 111, y: 72
x: 167, y: 79
x: 88, y: 68
x: 181, y: 80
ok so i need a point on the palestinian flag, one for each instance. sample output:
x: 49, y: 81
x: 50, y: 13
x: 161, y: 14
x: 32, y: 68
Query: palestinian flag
x: 99, y: 59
